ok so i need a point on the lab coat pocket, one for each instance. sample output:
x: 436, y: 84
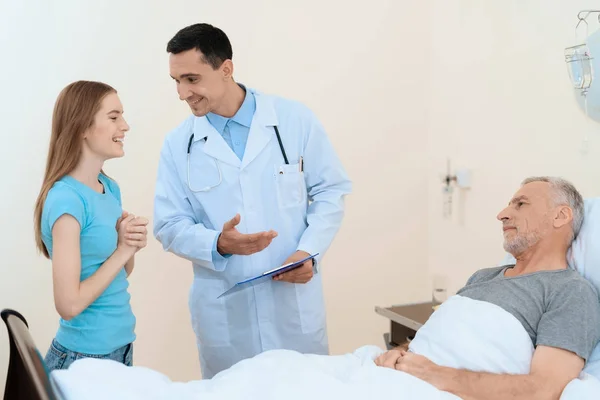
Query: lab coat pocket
x: 209, y: 314
x: 291, y: 187
x: 311, y: 305
x: 204, y: 175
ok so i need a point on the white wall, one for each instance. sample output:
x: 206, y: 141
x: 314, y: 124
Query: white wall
x: 483, y: 83
x: 501, y: 105
x: 359, y: 67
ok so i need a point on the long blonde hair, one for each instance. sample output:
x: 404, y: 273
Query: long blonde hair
x: 74, y: 112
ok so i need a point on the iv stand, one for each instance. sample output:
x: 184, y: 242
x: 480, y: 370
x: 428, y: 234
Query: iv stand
x: 587, y: 14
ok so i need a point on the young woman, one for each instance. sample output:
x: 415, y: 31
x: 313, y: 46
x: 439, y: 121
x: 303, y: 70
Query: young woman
x: 81, y: 227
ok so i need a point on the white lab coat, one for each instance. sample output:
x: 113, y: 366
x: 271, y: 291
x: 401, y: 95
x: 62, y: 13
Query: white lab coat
x: 305, y: 208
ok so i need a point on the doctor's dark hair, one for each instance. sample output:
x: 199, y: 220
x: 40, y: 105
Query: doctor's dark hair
x: 74, y: 112
x: 212, y: 42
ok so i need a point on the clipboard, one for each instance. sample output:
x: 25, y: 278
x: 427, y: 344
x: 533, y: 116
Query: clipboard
x: 265, y: 276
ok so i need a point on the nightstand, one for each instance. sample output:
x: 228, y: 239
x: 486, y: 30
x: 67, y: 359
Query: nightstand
x: 405, y: 321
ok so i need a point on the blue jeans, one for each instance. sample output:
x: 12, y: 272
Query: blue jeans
x: 59, y: 357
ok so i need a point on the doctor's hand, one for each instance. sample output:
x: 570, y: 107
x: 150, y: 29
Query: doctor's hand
x: 231, y: 241
x: 302, y: 274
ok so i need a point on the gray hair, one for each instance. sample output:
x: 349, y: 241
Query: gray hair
x: 564, y: 194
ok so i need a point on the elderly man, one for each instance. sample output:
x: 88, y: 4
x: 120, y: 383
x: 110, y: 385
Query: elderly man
x: 558, y: 308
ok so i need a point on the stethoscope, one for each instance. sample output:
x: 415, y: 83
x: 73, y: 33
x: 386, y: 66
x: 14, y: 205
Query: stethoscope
x: 205, y: 138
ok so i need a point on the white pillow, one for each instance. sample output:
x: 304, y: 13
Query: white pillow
x: 584, y: 257
x: 592, y: 366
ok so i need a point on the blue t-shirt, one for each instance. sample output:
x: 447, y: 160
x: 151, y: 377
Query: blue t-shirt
x: 108, y: 323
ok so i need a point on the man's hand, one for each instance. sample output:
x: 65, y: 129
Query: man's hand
x: 301, y: 274
x: 231, y: 241
x: 411, y: 363
x: 419, y: 367
x: 389, y: 358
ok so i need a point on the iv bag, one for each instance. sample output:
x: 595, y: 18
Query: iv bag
x: 579, y: 65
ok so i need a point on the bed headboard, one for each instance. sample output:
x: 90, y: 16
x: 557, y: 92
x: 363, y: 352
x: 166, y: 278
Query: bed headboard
x: 27, y: 376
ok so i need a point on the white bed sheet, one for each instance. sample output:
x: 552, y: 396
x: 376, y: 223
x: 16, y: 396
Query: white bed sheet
x: 462, y: 333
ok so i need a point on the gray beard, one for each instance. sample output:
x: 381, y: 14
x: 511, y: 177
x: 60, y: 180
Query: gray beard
x: 519, y: 244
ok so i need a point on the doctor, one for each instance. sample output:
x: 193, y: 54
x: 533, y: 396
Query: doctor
x: 247, y: 183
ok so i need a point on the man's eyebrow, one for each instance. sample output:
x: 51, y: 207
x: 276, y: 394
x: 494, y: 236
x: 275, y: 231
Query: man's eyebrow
x: 517, y: 199
x: 188, y: 75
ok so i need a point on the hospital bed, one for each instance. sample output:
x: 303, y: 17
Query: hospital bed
x: 472, y: 345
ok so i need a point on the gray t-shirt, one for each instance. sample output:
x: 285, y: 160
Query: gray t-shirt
x: 556, y: 308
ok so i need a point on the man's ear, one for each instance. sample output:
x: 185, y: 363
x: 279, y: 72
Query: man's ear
x: 563, y: 216
x: 227, y: 69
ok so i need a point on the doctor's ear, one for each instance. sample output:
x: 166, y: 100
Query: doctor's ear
x: 227, y: 69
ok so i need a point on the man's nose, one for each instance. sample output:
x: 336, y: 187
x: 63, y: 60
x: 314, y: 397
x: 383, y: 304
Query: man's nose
x: 183, y: 92
x: 503, y: 215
